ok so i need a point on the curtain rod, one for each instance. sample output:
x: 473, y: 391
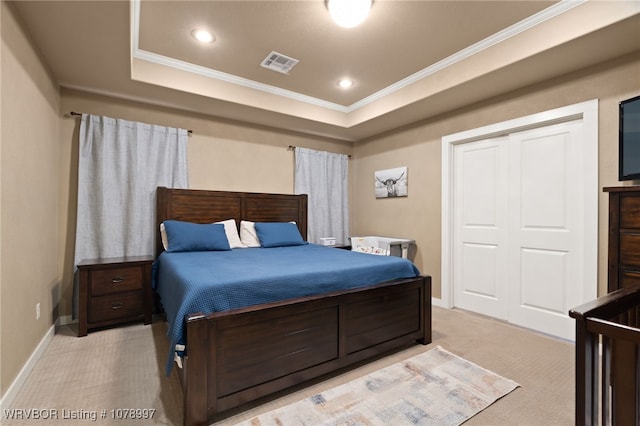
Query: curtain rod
x: 77, y: 114
x: 293, y: 148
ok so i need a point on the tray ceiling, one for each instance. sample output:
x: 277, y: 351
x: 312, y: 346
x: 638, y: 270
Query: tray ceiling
x: 406, y: 56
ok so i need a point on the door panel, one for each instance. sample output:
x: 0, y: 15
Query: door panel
x: 543, y: 275
x: 480, y: 226
x: 545, y: 225
x: 480, y: 270
x: 541, y: 168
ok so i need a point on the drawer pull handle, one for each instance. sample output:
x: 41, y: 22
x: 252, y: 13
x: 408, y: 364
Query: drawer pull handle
x: 116, y: 306
x: 117, y: 280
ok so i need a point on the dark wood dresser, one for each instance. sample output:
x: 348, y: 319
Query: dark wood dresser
x: 620, y: 372
x: 114, y: 291
x: 624, y: 236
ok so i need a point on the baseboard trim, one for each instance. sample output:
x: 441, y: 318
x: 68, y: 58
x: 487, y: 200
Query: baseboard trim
x: 439, y: 303
x: 66, y: 320
x: 21, y: 378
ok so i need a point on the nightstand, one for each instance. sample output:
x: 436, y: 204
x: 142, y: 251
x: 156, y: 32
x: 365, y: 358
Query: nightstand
x: 114, y: 291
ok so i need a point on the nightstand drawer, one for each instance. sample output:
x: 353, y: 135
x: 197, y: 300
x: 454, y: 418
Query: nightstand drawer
x: 116, y: 306
x: 116, y: 280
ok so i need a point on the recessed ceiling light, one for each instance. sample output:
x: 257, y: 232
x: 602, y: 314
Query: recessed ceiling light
x: 346, y: 83
x: 203, y: 36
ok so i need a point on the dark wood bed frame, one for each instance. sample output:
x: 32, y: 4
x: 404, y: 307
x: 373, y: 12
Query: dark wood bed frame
x: 238, y: 356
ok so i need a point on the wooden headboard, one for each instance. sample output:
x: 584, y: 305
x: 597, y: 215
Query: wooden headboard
x: 200, y: 206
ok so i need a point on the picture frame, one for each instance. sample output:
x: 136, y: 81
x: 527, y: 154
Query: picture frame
x: 391, y: 183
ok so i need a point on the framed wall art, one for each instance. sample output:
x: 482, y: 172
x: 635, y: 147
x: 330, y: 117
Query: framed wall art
x: 391, y: 183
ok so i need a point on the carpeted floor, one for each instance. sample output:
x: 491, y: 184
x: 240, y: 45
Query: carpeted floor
x: 99, y: 376
x: 123, y: 368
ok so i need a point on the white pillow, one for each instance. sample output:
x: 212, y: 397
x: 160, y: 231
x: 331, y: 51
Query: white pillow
x: 248, y: 234
x: 230, y: 230
x: 232, y: 233
x: 163, y: 236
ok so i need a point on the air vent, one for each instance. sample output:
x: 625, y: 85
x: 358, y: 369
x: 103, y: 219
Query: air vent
x: 279, y: 62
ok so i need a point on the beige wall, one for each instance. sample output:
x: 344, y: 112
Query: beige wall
x: 419, y: 148
x: 222, y: 155
x: 29, y: 198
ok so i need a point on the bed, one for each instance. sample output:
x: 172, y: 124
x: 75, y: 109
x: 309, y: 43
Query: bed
x: 257, y: 348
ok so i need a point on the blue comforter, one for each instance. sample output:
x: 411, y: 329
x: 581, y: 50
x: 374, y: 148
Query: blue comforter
x: 215, y: 281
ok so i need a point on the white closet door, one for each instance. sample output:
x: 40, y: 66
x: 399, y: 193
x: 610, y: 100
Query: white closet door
x: 518, y: 213
x: 520, y: 218
x: 545, y: 227
x: 480, y: 226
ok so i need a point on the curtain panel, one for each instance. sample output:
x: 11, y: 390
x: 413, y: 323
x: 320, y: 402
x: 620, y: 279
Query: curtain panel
x: 120, y: 165
x: 324, y: 177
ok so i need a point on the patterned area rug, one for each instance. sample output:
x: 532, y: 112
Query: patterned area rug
x: 433, y: 388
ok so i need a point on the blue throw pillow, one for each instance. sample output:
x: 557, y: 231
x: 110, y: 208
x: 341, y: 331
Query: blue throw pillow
x: 188, y: 236
x: 278, y: 234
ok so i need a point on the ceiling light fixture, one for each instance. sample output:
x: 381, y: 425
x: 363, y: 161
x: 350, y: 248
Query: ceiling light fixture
x: 346, y: 83
x: 349, y: 13
x: 203, y: 36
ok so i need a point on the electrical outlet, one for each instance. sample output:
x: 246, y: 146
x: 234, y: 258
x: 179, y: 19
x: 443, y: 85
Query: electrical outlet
x: 37, y: 311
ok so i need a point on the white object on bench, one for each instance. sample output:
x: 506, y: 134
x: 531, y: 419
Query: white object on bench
x: 384, y: 246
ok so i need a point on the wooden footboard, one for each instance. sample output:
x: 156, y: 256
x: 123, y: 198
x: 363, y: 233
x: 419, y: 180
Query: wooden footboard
x: 239, y: 356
